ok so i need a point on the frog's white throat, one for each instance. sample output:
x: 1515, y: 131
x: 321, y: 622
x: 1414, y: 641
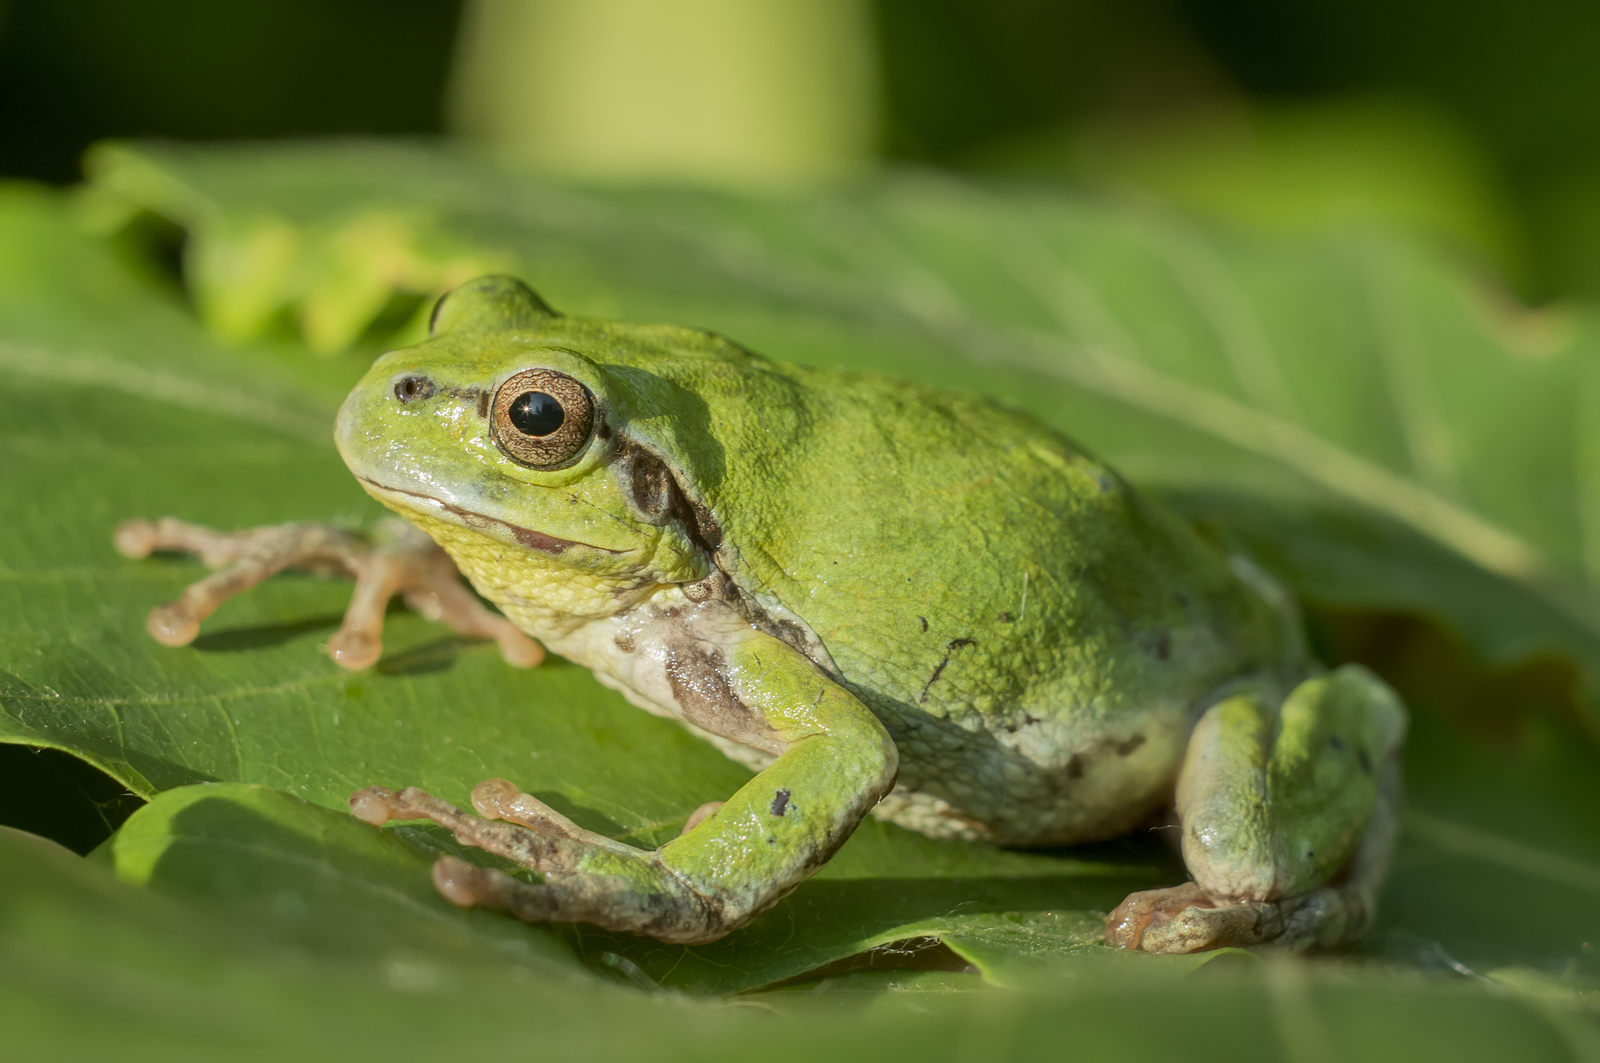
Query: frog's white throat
x: 544, y: 586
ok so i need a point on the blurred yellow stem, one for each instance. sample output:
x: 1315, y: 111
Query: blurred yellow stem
x: 728, y: 92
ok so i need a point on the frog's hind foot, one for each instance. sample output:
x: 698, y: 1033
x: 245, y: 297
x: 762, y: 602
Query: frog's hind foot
x: 1289, y: 816
x: 587, y: 877
x: 1128, y: 923
x: 1186, y: 919
x: 403, y: 562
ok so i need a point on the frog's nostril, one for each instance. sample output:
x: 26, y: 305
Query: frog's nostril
x: 413, y: 388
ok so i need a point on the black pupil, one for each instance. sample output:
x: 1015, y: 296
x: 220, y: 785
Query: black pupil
x: 536, y: 413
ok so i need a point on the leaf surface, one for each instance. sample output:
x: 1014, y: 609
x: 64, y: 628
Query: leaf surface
x: 1238, y: 379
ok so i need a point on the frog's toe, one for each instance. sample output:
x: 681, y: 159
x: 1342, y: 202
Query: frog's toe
x: 428, y: 581
x: 1128, y: 925
x: 500, y: 799
x: 530, y: 847
x: 700, y: 815
x: 240, y: 560
x: 639, y: 897
x: 462, y: 884
x: 1186, y: 919
x: 173, y: 624
x: 564, y: 899
x: 440, y: 596
x: 355, y: 650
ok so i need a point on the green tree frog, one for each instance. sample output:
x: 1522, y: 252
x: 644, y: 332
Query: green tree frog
x: 881, y: 598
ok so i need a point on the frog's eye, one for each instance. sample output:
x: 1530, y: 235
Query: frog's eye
x: 542, y: 419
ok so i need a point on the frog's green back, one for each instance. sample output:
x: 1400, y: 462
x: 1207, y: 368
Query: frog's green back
x: 954, y: 557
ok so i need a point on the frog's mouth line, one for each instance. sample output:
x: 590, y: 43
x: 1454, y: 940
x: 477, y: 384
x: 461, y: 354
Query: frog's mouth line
x: 533, y: 540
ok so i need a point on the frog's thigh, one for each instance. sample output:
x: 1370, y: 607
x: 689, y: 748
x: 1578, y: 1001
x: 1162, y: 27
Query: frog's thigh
x: 1288, y: 818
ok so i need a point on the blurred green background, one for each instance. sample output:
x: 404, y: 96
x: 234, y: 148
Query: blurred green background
x: 1477, y: 123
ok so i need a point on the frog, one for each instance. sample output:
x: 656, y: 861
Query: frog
x: 880, y: 597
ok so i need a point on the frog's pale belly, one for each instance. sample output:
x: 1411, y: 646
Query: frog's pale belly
x: 1010, y: 777
x: 1045, y: 782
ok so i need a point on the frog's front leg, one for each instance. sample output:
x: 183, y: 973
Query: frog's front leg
x: 834, y: 762
x: 401, y: 561
x: 1288, y: 819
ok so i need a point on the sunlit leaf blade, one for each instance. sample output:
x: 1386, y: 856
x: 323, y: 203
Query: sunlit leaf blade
x: 323, y: 881
x: 1500, y: 858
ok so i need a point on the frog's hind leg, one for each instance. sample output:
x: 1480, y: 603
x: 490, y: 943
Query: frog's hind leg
x: 1288, y: 817
x: 403, y: 561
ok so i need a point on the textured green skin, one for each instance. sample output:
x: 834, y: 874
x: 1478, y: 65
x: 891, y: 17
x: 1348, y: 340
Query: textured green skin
x: 1035, y: 636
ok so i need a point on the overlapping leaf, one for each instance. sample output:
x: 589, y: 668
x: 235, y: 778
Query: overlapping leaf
x: 269, y: 928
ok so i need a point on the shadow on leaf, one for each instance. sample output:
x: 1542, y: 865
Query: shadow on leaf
x: 436, y: 656
x: 587, y: 818
x: 240, y: 639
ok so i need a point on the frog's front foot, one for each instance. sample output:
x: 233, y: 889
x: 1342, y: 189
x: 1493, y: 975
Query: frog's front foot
x: 1289, y: 814
x: 734, y: 860
x: 403, y: 561
x: 587, y: 877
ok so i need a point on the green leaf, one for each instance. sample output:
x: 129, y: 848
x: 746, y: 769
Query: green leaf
x: 268, y: 928
x: 1235, y: 377
x: 274, y: 949
x: 326, y: 882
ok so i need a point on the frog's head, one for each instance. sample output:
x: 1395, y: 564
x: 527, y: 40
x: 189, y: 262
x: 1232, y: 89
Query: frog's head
x: 504, y: 438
